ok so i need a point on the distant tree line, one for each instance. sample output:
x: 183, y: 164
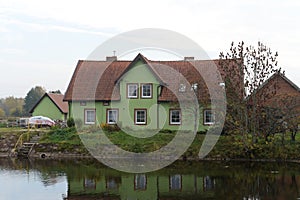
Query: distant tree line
x: 17, y: 107
x: 11, y: 106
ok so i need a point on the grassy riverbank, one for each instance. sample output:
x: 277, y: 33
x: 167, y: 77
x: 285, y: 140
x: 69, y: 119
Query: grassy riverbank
x: 227, y: 147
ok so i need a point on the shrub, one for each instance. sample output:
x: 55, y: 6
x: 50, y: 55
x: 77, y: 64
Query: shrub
x: 70, y: 122
x: 166, y: 131
x: 58, y: 135
x: 202, y: 132
x: 109, y: 127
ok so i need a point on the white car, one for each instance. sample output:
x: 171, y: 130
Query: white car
x: 41, y: 121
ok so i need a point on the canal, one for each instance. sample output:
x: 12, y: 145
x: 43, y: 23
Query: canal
x: 90, y: 180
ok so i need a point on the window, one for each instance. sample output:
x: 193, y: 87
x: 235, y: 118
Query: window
x: 175, y: 182
x: 140, y: 116
x: 182, y: 87
x: 113, y: 183
x: 89, y: 183
x: 90, y: 116
x: 175, y: 117
x: 112, y: 116
x: 106, y: 103
x: 140, y: 182
x: 209, y: 183
x: 132, y: 90
x: 209, y: 117
x: 146, y: 90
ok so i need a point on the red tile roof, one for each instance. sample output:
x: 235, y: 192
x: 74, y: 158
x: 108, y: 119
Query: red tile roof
x: 86, y: 83
x: 86, y: 79
x: 278, y: 86
x: 57, y: 99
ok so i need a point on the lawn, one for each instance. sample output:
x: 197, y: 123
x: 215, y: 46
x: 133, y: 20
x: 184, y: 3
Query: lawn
x: 227, y: 147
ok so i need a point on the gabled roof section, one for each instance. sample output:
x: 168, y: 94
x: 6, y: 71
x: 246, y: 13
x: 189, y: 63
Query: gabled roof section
x: 278, y: 85
x: 98, y: 80
x: 274, y: 76
x: 57, y: 99
x: 95, y: 81
x: 142, y: 58
x: 289, y: 81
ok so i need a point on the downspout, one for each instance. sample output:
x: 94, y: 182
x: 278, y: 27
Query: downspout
x: 70, y: 111
x: 157, y: 107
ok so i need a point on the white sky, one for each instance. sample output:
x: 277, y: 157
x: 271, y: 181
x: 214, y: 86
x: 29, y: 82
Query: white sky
x: 41, y: 41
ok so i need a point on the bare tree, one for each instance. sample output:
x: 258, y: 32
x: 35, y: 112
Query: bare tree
x: 281, y: 116
x: 246, y: 69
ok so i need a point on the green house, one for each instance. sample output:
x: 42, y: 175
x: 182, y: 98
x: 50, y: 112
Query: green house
x: 51, y: 105
x: 139, y: 94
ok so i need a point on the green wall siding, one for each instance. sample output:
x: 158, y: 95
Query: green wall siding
x: 139, y: 74
x: 47, y: 108
x: 77, y: 111
x: 157, y: 113
x: 164, y: 117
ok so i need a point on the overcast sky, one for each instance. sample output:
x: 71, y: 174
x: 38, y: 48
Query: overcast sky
x: 41, y: 41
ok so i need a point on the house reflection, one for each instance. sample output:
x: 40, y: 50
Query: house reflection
x: 208, y: 180
x: 113, y: 183
x: 140, y: 182
x: 208, y: 183
x: 140, y: 186
x: 183, y: 186
x: 175, y: 182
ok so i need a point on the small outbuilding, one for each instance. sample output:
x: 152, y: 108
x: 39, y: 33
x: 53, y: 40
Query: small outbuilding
x: 51, y: 105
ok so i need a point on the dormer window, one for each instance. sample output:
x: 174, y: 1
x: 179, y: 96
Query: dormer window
x: 194, y: 87
x: 146, y: 90
x: 182, y: 87
x: 132, y: 90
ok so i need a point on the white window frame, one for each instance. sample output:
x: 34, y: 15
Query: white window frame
x: 86, y: 116
x: 171, y: 117
x: 204, y: 117
x: 142, y: 88
x: 182, y: 87
x: 136, y: 115
x: 108, y: 115
x: 129, y: 85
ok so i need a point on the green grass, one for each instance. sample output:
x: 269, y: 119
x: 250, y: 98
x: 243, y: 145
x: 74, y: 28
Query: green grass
x: 227, y: 147
x: 238, y: 147
x: 140, y: 145
x: 10, y: 129
x: 59, y: 136
x: 64, y: 140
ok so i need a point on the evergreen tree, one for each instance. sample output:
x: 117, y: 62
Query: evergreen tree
x: 32, y: 97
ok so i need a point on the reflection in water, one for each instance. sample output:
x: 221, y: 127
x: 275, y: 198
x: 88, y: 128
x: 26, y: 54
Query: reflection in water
x: 208, y: 183
x: 175, y: 182
x: 89, y: 180
x: 112, y: 183
x: 140, y: 182
x: 19, y: 180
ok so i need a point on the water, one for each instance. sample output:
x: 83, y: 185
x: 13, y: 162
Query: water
x: 90, y: 180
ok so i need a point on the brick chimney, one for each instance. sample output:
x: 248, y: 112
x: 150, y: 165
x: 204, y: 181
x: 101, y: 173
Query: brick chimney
x: 111, y: 58
x: 189, y: 58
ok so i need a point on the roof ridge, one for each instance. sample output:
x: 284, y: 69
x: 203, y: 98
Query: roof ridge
x: 149, y: 60
x: 289, y: 81
x: 49, y: 94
